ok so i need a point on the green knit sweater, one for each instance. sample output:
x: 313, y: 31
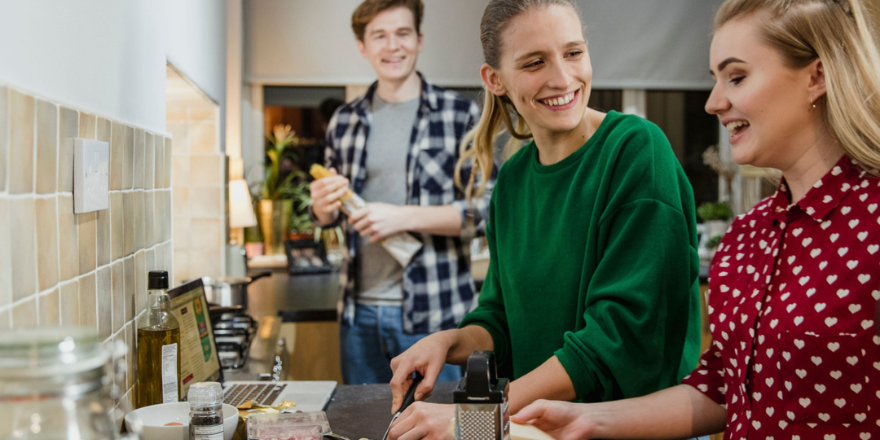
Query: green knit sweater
x: 594, y: 260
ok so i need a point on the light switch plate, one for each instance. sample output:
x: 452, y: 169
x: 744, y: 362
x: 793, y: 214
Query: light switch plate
x: 91, y: 175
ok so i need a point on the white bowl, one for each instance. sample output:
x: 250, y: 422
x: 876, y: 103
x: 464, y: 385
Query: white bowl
x: 154, y: 418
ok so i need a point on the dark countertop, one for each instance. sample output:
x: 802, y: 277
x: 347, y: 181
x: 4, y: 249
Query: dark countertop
x: 364, y: 411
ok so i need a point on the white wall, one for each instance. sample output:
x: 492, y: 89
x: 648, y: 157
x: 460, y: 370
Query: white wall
x: 633, y: 43
x: 196, y: 42
x: 108, y: 56
x: 308, y: 42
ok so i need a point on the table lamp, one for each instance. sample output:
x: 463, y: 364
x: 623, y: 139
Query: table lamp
x: 241, y: 210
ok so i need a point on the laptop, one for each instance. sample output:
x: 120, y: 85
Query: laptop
x: 199, y: 360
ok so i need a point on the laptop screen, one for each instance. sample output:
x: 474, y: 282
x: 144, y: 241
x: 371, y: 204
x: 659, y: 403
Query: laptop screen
x: 198, y: 352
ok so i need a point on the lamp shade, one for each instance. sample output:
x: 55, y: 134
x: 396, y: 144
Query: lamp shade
x: 241, y: 210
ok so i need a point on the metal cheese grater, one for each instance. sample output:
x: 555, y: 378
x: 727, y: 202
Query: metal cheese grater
x: 481, y: 401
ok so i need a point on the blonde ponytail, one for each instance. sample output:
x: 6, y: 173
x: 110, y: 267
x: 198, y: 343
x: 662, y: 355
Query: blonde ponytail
x: 496, y: 111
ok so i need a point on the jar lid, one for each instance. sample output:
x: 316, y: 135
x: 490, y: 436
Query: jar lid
x: 205, y: 394
x: 38, y: 352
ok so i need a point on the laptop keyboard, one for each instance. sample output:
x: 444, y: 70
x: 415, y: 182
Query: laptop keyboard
x: 264, y: 394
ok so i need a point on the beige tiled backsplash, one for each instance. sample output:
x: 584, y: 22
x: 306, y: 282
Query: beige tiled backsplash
x: 24, y: 243
x: 128, y: 159
x: 149, y: 160
x: 138, y: 170
x: 61, y: 268
x: 87, y: 231
x: 47, y: 243
x: 205, y: 170
x: 5, y: 262
x: 25, y: 313
x: 49, y: 309
x: 104, y: 127
x: 202, y: 138
x: 68, y: 301
x: 47, y: 147
x: 198, y: 195
x: 4, y: 139
x: 87, y: 127
x: 68, y: 239
x: 104, y: 296
x: 204, y: 202
x: 117, y: 286
x: 68, y: 127
x: 20, y: 167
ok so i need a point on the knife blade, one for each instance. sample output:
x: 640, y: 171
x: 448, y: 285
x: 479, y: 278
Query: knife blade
x: 408, y: 399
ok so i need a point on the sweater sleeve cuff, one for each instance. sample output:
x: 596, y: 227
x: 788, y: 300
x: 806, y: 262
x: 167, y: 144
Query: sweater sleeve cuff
x: 499, y: 341
x: 578, y: 370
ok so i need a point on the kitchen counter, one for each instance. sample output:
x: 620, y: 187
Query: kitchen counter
x: 265, y: 356
x: 306, y: 306
x: 364, y: 411
x: 296, y: 298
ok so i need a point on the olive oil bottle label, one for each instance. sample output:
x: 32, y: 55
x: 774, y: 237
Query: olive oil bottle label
x: 169, y: 373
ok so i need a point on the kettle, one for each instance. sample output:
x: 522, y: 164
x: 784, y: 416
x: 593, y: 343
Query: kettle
x: 481, y: 401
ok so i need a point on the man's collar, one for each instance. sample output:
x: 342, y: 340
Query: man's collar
x: 428, y: 96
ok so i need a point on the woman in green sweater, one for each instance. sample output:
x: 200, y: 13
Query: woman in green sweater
x: 592, y: 291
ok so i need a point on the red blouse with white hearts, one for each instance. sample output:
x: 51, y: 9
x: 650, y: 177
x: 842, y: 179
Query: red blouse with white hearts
x: 792, y: 298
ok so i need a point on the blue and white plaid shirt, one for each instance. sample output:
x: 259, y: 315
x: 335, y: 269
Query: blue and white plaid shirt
x: 437, y: 286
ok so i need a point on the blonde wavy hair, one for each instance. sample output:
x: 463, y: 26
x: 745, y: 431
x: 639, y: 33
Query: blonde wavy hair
x: 497, y: 110
x: 838, y: 33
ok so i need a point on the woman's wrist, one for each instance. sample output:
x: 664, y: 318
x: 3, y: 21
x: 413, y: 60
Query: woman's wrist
x: 596, y: 418
x: 450, y: 340
x: 464, y: 341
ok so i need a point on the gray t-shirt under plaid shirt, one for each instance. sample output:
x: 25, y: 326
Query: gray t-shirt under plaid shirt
x: 437, y: 284
x: 380, y: 277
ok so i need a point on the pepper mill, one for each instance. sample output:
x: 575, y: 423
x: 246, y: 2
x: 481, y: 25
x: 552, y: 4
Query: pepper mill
x: 481, y: 406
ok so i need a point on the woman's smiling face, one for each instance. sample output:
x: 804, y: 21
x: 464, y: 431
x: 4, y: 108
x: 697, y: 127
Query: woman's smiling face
x: 763, y: 103
x: 544, y: 68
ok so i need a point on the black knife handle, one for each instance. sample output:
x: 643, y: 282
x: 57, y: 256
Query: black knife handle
x: 410, y: 396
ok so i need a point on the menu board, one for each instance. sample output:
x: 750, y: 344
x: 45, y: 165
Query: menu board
x: 198, y: 356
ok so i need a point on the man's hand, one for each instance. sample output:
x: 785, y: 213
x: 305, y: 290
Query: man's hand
x: 379, y: 220
x: 325, y: 195
x: 425, y: 421
x: 562, y: 420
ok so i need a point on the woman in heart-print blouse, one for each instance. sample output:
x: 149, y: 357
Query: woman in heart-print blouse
x: 795, y: 283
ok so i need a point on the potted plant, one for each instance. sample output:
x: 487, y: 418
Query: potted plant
x: 253, y: 241
x: 281, y: 184
x: 716, y: 218
x: 301, y: 226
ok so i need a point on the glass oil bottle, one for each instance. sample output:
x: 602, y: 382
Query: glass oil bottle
x: 158, y: 347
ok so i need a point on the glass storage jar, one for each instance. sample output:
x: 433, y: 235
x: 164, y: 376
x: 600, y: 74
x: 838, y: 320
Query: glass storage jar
x: 55, y: 383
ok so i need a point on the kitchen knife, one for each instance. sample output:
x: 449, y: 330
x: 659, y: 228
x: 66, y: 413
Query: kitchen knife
x: 408, y: 399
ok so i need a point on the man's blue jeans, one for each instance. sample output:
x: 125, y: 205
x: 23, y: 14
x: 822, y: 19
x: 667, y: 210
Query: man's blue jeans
x: 375, y: 338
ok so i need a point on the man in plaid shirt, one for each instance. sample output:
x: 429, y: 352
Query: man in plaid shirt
x: 398, y: 146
